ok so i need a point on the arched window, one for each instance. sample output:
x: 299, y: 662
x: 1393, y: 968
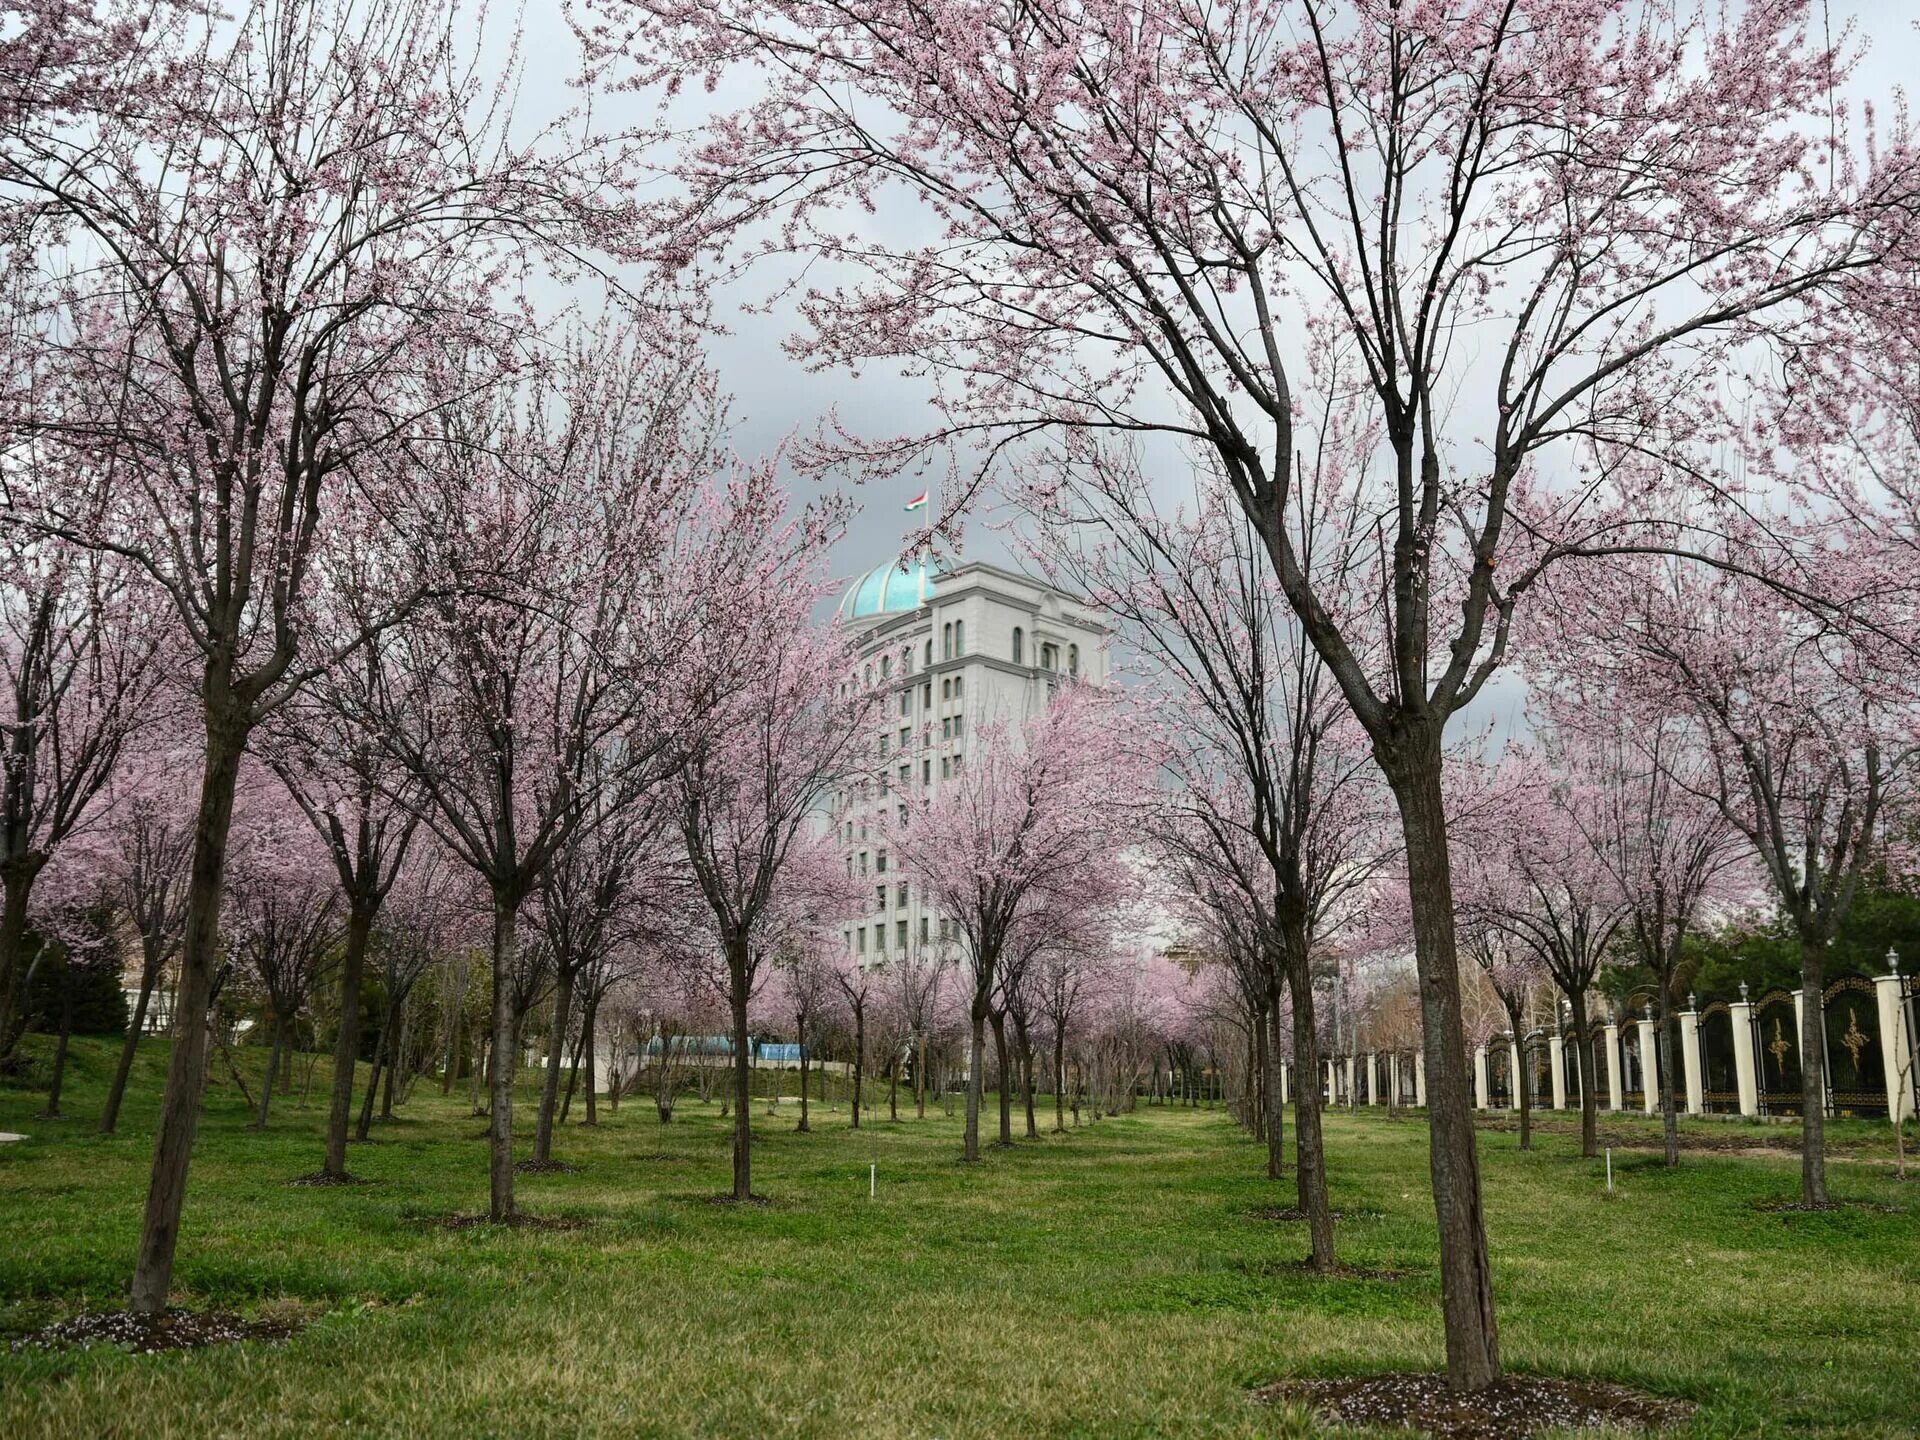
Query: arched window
x: 1049, y: 657
x: 1019, y: 646
x: 1073, y: 659
x: 959, y: 637
x: 946, y: 642
x: 886, y: 666
x: 929, y: 659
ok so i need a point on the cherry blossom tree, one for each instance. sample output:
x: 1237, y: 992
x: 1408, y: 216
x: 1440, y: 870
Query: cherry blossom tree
x: 81, y: 671
x: 1038, y: 814
x: 241, y: 265
x: 1810, y: 744
x: 1224, y: 226
x: 765, y: 765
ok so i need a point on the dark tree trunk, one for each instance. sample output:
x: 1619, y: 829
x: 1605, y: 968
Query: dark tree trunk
x: 1413, y: 769
x: 998, y: 1020
x: 742, y: 1073
x: 122, y: 1072
x: 398, y: 1059
x: 920, y: 1079
x: 859, y: 1057
x: 1276, y: 1115
x: 1589, y: 1102
x: 1310, y: 1155
x: 589, y: 1058
x: 187, y: 1066
x: 893, y: 1090
x: 976, y: 1077
x: 1813, y: 1071
x: 550, y: 1082
x: 346, y: 1045
x: 1663, y: 1049
x: 1059, y: 1081
x: 52, y: 1112
x: 1024, y: 1040
x: 273, y: 1070
x: 500, y: 1069
x: 364, y: 1126
x: 800, y: 1034
x: 16, y: 882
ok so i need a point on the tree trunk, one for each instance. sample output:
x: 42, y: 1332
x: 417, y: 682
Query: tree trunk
x: 893, y: 1089
x: 1059, y: 1080
x: 456, y: 1028
x: 1522, y: 1079
x: 1310, y: 1155
x: 800, y: 1034
x: 920, y: 1079
x: 346, y: 1045
x: 1270, y: 1063
x: 1589, y: 1102
x: 589, y: 1050
x: 364, y: 1127
x: 52, y: 1112
x: 859, y: 1057
x: 122, y: 1072
x: 1813, y: 1071
x: 397, y: 1057
x: 187, y: 1067
x: 1413, y: 769
x: 1663, y: 1049
x: 17, y: 880
x: 742, y: 1073
x: 998, y: 1019
x: 977, y: 1062
x: 273, y: 1071
x: 1024, y: 1042
x: 550, y: 1082
x: 500, y: 1117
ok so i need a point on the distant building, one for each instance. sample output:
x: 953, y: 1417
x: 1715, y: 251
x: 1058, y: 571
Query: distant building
x: 950, y: 651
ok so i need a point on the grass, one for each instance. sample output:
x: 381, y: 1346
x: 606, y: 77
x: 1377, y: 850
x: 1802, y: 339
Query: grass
x: 1113, y: 1281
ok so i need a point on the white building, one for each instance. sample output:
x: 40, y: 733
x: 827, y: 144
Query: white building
x: 950, y: 650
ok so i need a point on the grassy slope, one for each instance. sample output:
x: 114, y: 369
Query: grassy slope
x: 1109, y: 1282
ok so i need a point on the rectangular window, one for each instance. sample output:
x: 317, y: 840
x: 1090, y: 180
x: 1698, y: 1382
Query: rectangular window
x: 906, y: 734
x: 946, y: 772
x: 906, y: 701
x: 926, y: 695
x: 880, y: 863
x: 883, y: 785
x: 946, y: 727
x: 906, y: 776
x: 879, y: 897
x: 926, y: 772
x: 903, y: 814
x: 956, y: 725
x: 880, y: 939
x: 883, y: 747
x: 860, y: 941
x: 900, y: 934
x: 863, y: 862
x: 923, y: 929
x: 900, y: 895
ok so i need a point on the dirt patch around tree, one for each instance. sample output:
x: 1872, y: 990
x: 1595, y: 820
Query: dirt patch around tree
x: 1513, y: 1408
x: 320, y: 1179
x: 1800, y: 1207
x: 1293, y: 1214
x: 519, y: 1220
x: 545, y: 1167
x: 169, y: 1330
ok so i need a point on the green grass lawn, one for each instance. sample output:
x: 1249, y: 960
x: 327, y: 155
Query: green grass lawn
x: 1117, y: 1280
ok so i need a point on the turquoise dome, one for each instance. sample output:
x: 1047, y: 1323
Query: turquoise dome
x: 888, y: 589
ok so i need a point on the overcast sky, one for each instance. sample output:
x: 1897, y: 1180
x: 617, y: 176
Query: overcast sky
x: 774, y: 396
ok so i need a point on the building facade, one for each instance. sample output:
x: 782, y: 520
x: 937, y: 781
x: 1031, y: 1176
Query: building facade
x: 950, y: 651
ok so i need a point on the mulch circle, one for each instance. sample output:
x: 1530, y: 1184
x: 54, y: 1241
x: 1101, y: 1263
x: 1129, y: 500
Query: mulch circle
x: 1291, y: 1214
x: 152, y: 1334
x: 1341, y: 1271
x: 760, y: 1202
x: 319, y: 1179
x: 519, y: 1220
x: 1513, y: 1408
x: 1800, y: 1207
x: 545, y: 1167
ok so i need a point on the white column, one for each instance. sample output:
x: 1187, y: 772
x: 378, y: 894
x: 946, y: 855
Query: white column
x: 1376, y: 1089
x: 1480, y: 1077
x: 1420, y: 1078
x: 1649, y: 1065
x: 1557, y: 1063
x: 1690, y: 1060
x: 1353, y: 1095
x: 1896, y: 1050
x: 1333, y: 1093
x: 1616, y: 1079
x: 1286, y: 1091
x: 1745, y: 1077
x: 1393, y: 1072
x: 1513, y: 1078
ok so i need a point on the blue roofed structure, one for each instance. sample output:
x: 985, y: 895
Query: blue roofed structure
x: 889, y: 589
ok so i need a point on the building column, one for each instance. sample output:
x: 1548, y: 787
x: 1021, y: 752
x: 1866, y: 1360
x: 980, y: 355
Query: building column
x: 1557, y: 1064
x: 1353, y: 1095
x: 1376, y: 1084
x: 1649, y: 1065
x: 1896, y: 1049
x: 1746, y: 1077
x: 1690, y: 1059
x: 1420, y: 1078
x: 1513, y: 1078
x: 1480, y: 1077
x: 1286, y: 1088
x: 1393, y: 1074
x: 1333, y: 1091
x: 1616, y: 1079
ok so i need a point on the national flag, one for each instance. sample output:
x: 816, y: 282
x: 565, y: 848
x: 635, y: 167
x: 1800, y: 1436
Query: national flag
x: 919, y: 502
